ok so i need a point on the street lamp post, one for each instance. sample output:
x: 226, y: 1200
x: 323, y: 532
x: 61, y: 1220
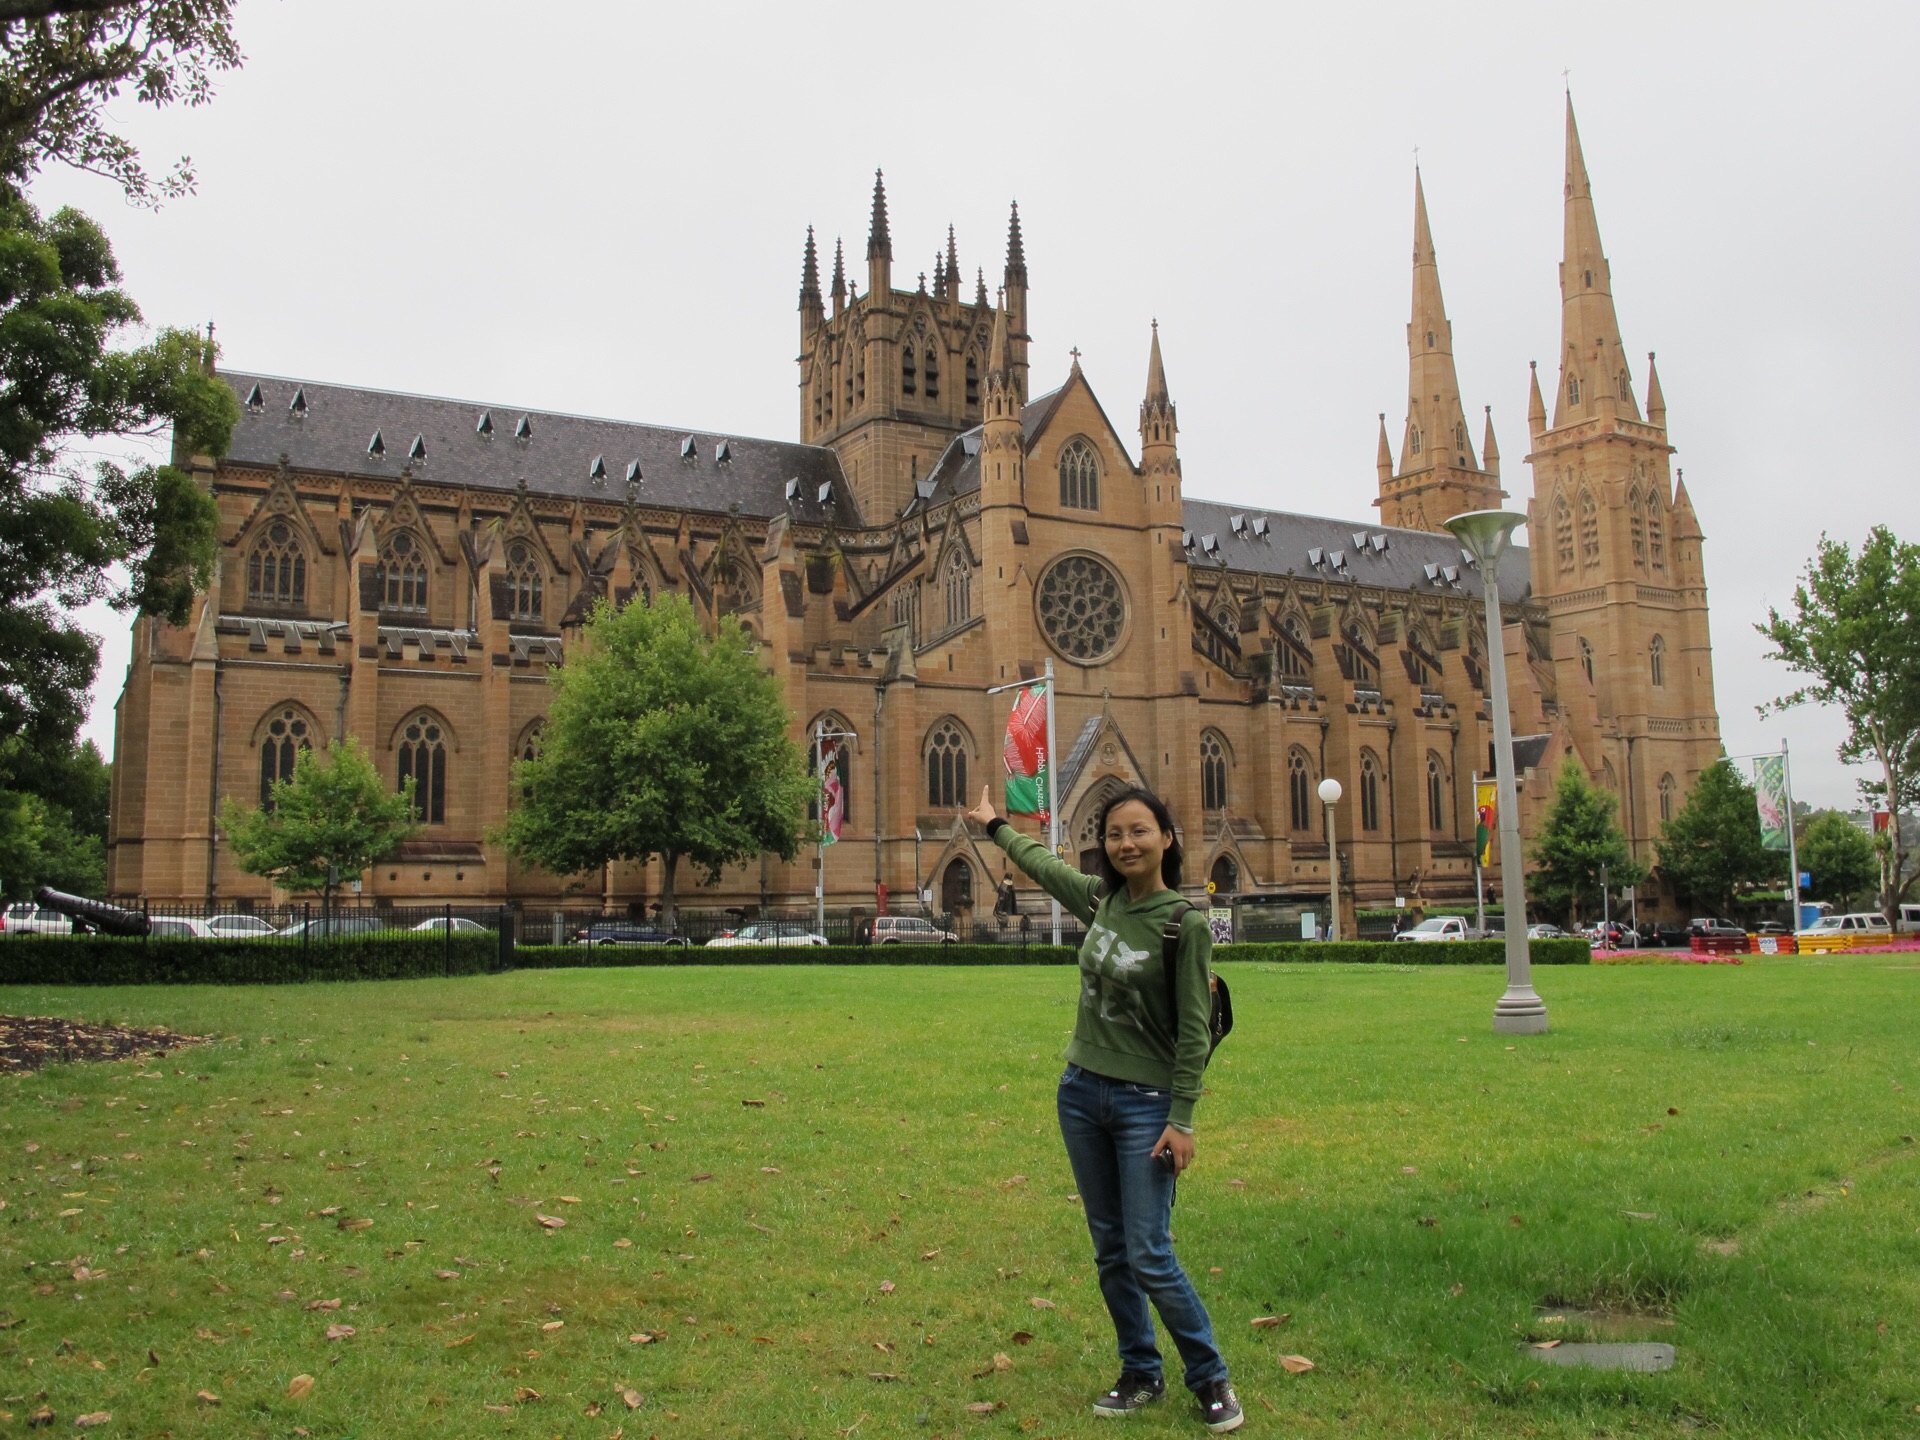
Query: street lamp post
x: 1330, y: 796
x: 1484, y: 536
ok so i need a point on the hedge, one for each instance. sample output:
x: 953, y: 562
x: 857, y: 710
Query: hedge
x: 1302, y: 952
x: 1407, y: 952
x: 112, y: 960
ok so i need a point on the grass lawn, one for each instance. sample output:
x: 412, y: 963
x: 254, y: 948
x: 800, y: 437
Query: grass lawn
x: 834, y: 1202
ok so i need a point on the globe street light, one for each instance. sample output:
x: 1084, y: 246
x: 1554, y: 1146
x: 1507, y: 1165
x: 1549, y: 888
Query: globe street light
x: 1330, y: 796
x: 1484, y: 535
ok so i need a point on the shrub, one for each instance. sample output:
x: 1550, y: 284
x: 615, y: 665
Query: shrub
x: 553, y: 957
x: 112, y: 960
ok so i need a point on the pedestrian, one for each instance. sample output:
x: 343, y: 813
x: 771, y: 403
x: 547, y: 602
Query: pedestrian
x: 1126, y: 1099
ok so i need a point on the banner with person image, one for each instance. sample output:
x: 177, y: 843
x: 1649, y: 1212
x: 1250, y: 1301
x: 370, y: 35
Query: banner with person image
x: 1770, y: 792
x: 1485, y: 814
x: 1029, y: 767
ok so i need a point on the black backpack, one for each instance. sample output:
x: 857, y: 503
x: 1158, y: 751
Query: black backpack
x: 1220, y: 1017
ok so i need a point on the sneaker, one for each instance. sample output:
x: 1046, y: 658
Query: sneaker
x: 1132, y: 1391
x: 1219, y: 1407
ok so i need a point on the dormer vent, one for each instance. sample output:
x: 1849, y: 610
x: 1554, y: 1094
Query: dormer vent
x: 376, y: 447
x: 1452, y: 572
x: 1186, y: 539
x: 1316, y: 556
x: 1360, y: 540
x: 1433, y: 574
x: 826, y: 492
x: 298, y: 408
x: 417, y: 450
x: 485, y: 428
x: 255, y: 400
x: 793, y: 491
x: 1210, y: 544
x: 1237, y: 524
x: 722, y: 453
x: 924, y: 489
x: 1379, y: 543
x: 1262, y: 527
x: 524, y: 430
x: 1337, y: 559
x: 634, y: 477
x: 687, y: 449
x: 597, y: 471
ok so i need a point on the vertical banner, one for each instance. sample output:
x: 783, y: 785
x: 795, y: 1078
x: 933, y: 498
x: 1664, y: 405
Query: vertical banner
x: 1485, y: 817
x: 1770, y: 791
x: 1029, y: 772
x: 833, y: 794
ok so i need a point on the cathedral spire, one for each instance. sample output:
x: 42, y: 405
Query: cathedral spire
x: 1016, y: 253
x: 1593, y: 365
x: 953, y: 266
x: 839, y: 276
x: 1536, y: 407
x: 879, y: 243
x: 1156, y: 371
x: 1656, y: 400
x: 810, y: 277
x: 999, y: 349
x: 1383, y: 459
x: 979, y: 285
x: 1159, y: 421
x: 1436, y: 423
x: 1489, y: 451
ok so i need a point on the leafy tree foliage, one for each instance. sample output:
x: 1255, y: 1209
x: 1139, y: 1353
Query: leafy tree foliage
x: 63, y: 62
x: 1854, y: 634
x: 1840, y: 857
x: 660, y: 740
x: 335, y: 811
x: 57, y: 835
x: 1710, y: 849
x: 1579, y: 836
x: 63, y: 534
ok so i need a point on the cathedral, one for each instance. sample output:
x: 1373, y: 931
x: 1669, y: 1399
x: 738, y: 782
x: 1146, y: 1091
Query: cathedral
x: 405, y: 569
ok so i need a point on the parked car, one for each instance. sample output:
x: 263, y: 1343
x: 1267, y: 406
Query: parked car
x: 331, y: 926
x: 910, y: 930
x: 1545, y: 932
x: 1712, y: 929
x: 239, y: 927
x: 767, y: 933
x: 1773, y: 927
x: 1438, y: 927
x: 1613, y: 933
x: 26, y: 918
x: 1865, y: 922
x: 459, y: 924
x: 178, y: 927
x: 627, y: 932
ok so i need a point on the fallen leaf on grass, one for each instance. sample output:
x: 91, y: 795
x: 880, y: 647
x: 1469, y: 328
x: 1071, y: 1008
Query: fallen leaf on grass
x: 321, y: 1305
x: 1295, y: 1364
x: 633, y: 1398
x: 754, y: 1104
x: 300, y: 1387
x: 456, y: 1344
x: 331, y: 1210
x: 769, y: 1169
x: 446, y: 1274
x: 206, y: 1397
x: 1016, y: 1180
x: 339, y: 1332
x: 1264, y: 1322
x: 569, y: 1199
x: 551, y: 1222
x: 1040, y: 1302
x: 360, y: 1224
x: 499, y: 1409
x: 1428, y: 1221
x: 930, y: 1254
x: 1236, y: 1184
x: 594, y: 1410
x: 986, y: 1407
x: 554, y: 1325
x: 1001, y: 1361
x: 526, y: 1393
x: 886, y: 1287
x: 42, y: 1416
x: 623, y: 1244
x: 696, y: 1179
x: 69, y: 1214
x: 763, y: 1229
x: 883, y: 1375
x: 1021, y: 1337
x: 98, y: 1417
x: 883, y: 1346
x: 1409, y: 1169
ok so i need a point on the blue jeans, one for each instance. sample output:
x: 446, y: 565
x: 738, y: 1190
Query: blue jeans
x: 1110, y: 1127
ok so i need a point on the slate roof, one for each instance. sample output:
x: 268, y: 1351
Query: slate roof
x: 957, y: 471
x: 341, y: 420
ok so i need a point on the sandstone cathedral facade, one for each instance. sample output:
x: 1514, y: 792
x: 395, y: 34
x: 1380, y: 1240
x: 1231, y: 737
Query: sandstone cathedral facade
x: 405, y: 569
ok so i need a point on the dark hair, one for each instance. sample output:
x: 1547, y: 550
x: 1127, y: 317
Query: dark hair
x: 1169, y: 862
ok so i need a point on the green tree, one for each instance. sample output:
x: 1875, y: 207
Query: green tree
x: 63, y: 62
x: 334, y: 813
x: 1711, y: 848
x: 1854, y: 634
x: 1579, y: 836
x: 660, y: 740
x: 1840, y: 857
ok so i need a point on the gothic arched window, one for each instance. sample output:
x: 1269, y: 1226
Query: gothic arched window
x: 422, y: 747
x: 277, y: 568
x: 1213, y: 771
x: 288, y: 733
x: 1369, y: 791
x: 1299, y: 791
x: 1667, y: 794
x: 933, y: 372
x: 946, y: 767
x: 1573, y: 389
x: 906, y: 370
x: 1293, y: 658
x: 1589, y: 529
x: 1636, y: 526
x: 1079, y: 477
x: 1657, y: 661
x: 403, y: 575
x: 1586, y: 658
x: 1656, y: 532
x: 523, y: 582
x: 959, y: 587
x: 1436, y: 793
x: 1413, y: 440
x: 531, y: 740
x: 1626, y: 389
x: 1563, y: 533
x: 973, y: 382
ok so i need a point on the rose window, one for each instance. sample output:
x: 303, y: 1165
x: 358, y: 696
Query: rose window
x: 1081, y: 608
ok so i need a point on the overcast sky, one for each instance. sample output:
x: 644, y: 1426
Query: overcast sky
x: 600, y: 208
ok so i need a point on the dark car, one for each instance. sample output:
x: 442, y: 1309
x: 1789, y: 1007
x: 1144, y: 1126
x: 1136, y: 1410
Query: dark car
x: 1712, y: 929
x: 328, y: 926
x: 627, y: 932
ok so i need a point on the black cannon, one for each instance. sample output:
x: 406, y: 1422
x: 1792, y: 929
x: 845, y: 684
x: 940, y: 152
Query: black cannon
x: 107, y: 919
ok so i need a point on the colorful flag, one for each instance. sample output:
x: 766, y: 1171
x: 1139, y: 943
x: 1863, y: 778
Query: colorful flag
x: 833, y: 801
x: 1029, y: 778
x: 1770, y: 789
x: 1485, y: 813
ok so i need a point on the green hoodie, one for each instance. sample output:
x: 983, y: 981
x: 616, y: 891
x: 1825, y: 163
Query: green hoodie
x: 1124, y: 1029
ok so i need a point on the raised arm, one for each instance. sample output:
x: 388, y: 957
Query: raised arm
x: 1079, y: 893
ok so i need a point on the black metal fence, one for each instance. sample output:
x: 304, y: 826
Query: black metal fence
x: 784, y: 927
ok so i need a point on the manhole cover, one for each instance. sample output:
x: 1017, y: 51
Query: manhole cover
x: 1645, y: 1356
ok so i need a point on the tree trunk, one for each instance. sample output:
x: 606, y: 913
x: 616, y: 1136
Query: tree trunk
x: 669, y: 913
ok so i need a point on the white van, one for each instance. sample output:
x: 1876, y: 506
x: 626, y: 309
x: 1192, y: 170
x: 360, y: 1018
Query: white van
x: 1909, y: 918
x: 1861, y: 923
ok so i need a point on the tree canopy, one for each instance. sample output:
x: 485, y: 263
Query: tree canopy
x: 1840, y: 858
x: 336, y: 812
x: 1579, y: 836
x: 63, y: 62
x: 1854, y: 635
x: 660, y: 741
x: 1710, y: 850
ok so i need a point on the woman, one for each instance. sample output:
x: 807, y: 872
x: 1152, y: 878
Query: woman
x: 1126, y: 1099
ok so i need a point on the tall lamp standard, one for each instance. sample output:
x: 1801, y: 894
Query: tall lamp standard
x: 1484, y: 535
x: 1330, y: 797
